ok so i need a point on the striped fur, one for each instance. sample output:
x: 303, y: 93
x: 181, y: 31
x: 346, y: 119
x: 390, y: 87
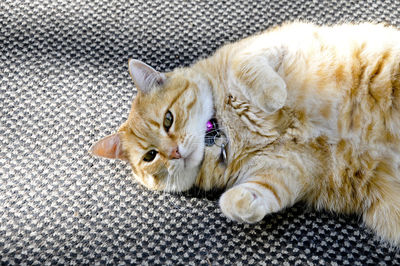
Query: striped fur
x: 311, y: 113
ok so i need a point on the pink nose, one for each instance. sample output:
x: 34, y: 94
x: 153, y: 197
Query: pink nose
x: 175, y: 154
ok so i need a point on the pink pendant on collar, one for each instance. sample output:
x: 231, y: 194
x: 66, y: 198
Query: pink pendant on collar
x: 210, y: 126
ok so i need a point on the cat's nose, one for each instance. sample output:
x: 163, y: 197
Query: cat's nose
x: 175, y: 154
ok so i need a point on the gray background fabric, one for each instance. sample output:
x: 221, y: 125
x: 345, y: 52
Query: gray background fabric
x: 64, y: 84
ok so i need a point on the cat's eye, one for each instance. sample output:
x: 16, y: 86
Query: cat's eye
x: 149, y: 156
x: 168, y: 121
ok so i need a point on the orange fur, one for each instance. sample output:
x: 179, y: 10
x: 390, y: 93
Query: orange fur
x: 311, y: 113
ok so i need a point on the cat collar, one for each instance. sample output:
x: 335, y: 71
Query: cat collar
x: 214, y: 136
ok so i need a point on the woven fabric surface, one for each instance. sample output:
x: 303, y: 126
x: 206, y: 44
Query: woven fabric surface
x: 64, y: 84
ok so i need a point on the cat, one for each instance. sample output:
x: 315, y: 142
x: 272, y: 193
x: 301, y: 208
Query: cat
x: 299, y: 112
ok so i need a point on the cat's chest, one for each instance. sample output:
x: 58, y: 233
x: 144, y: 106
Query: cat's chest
x: 240, y: 137
x: 220, y: 151
x: 245, y: 131
x: 244, y: 124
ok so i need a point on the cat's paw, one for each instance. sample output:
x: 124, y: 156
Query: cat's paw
x: 243, y: 204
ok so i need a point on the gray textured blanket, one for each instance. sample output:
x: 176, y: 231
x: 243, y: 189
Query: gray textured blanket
x: 64, y: 84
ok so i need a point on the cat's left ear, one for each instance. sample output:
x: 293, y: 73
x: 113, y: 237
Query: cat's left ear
x: 144, y: 76
x: 109, y: 147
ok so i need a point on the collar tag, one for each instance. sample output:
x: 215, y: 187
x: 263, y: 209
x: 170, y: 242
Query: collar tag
x: 214, y: 136
x: 222, y: 156
x: 212, y: 132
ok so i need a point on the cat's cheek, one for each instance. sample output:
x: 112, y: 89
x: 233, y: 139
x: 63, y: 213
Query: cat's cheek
x: 144, y: 182
x: 149, y: 183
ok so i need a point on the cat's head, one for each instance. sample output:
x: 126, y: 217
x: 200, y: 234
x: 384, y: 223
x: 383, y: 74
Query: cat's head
x: 163, y: 137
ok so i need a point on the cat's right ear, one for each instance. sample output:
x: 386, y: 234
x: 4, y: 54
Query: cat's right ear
x: 109, y: 147
x: 144, y: 76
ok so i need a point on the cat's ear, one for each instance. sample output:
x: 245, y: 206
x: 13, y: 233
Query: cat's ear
x: 144, y: 76
x: 109, y: 147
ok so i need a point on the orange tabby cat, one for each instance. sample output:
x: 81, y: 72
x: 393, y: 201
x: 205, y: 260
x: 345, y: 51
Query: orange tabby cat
x: 299, y: 112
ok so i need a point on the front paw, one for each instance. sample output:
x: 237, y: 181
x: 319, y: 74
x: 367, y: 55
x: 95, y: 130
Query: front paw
x: 243, y: 204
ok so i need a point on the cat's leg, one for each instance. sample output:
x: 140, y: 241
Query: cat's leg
x: 383, y: 214
x: 250, y: 201
x: 261, y: 83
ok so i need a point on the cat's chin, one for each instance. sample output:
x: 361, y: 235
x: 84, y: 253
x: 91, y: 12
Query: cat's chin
x: 193, y: 154
x: 184, y: 180
x: 190, y: 160
x: 187, y: 177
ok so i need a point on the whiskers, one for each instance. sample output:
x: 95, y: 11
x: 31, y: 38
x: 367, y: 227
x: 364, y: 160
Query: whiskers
x: 218, y: 130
